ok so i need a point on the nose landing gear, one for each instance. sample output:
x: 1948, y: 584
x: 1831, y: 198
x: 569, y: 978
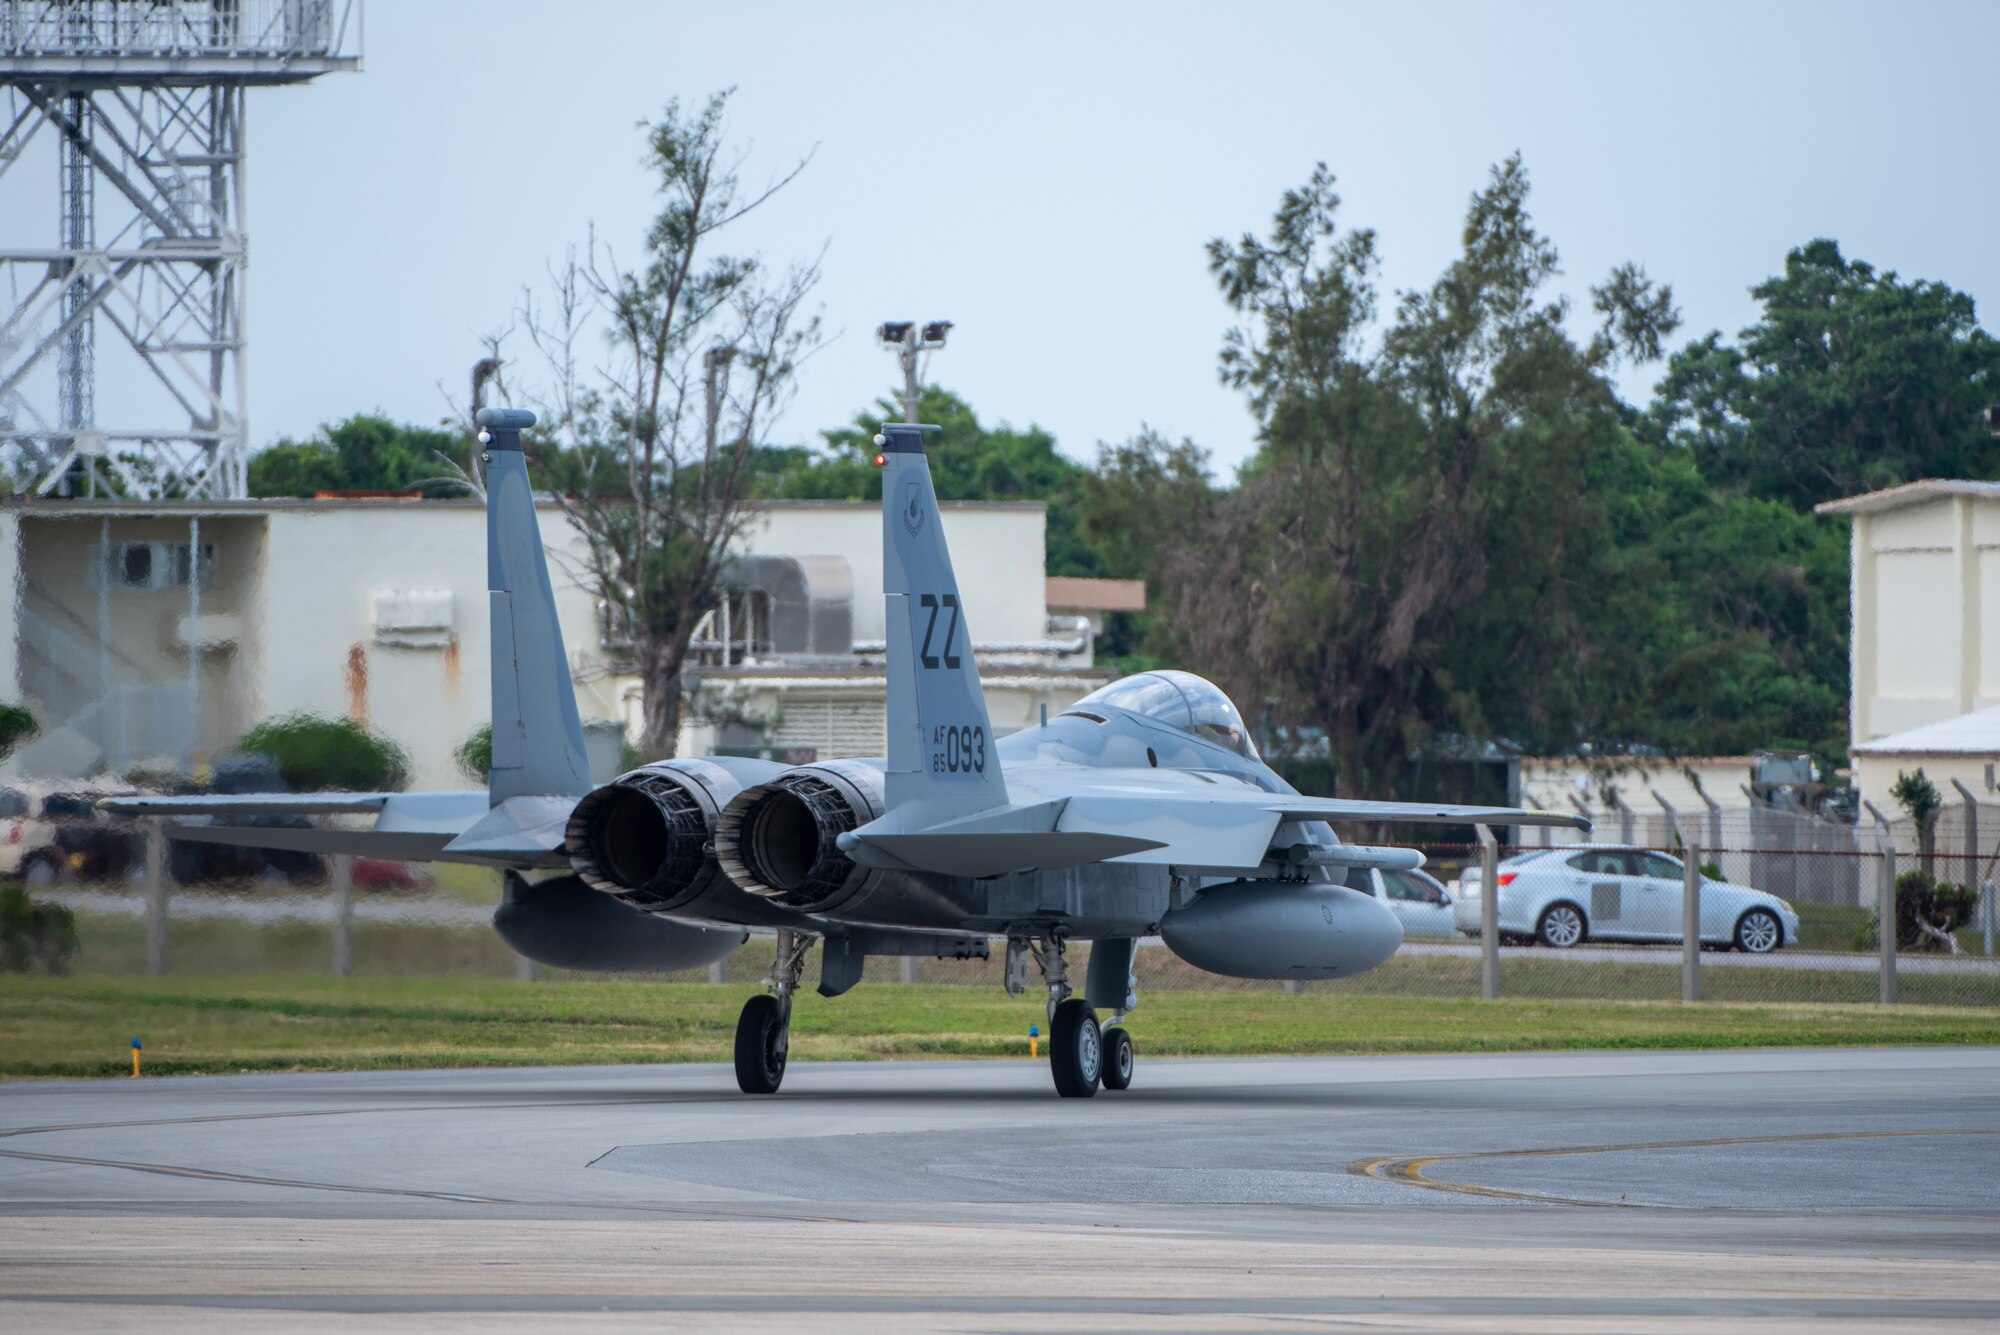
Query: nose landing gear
x: 1083, y: 1055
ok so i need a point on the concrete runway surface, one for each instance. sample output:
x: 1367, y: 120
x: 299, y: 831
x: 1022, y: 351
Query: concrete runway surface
x: 1767, y: 1191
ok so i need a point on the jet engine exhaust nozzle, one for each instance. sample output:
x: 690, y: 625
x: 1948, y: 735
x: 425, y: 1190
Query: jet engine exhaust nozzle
x: 778, y: 839
x: 643, y: 837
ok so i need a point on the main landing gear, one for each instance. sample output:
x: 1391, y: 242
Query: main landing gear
x: 1082, y: 1054
x: 764, y: 1030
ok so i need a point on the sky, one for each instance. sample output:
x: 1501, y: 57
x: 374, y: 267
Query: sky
x: 1047, y: 176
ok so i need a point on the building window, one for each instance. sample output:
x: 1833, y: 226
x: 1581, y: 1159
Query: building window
x: 154, y: 565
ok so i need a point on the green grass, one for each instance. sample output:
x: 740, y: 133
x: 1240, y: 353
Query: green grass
x: 82, y: 1026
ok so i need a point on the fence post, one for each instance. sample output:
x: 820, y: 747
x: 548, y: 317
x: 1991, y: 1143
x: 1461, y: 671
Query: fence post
x: 342, y: 873
x: 1714, y: 840
x: 1489, y: 914
x: 1971, y: 833
x: 1626, y: 834
x: 157, y: 895
x: 909, y: 972
x: 1584, y: 812
x: 718, y: 972
x: 1986, y: 916
x: 1885, y: 923
x: 1690, y: 921
x: 1673, y: 818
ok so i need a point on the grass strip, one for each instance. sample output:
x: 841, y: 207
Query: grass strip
x: 296, y: 1022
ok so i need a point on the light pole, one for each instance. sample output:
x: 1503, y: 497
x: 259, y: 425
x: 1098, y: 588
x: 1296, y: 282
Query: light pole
x: 908, y: 340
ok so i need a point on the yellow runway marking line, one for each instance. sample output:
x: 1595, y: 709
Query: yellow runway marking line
x: 1408, y: 1170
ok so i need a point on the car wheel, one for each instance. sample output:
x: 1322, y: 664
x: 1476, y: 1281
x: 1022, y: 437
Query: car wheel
x: 1758, y: 933
x: 1561, y: 926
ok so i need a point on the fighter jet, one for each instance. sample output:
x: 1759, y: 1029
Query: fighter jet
x: 1141, y: 811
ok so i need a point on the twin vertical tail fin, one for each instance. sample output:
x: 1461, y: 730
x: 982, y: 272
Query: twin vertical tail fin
x: 537, y: 736
x: 942, y: 765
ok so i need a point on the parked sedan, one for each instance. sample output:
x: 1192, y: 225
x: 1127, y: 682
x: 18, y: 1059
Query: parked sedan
x: 1419, y: 901
x: 1563, y: 896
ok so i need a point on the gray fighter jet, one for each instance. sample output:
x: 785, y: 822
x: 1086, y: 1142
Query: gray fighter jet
x: 1143, y: 810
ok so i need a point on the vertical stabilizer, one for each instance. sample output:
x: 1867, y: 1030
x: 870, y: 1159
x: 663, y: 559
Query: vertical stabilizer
x: 537, y: 736
x: 942, y: 764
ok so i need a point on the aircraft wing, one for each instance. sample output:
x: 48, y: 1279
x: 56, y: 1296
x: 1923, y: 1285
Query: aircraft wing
x: 520, y: 832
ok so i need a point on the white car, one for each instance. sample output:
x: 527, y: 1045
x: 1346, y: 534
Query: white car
x: 1419, y: 901
x: 1563, y: 896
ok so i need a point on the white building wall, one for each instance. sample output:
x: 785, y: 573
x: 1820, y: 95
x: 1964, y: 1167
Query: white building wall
x: 1926, y: 595
x: 997, y: 551
x: 323, y: 652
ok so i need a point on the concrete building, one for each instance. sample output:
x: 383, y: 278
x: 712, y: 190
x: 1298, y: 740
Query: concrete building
x: 156, y: 633
x: 1925, y: 646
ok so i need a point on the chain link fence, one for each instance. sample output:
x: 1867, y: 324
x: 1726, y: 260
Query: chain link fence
x: 382, y: 919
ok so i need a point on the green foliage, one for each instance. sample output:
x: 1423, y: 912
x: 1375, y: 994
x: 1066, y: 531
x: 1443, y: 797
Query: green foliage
x: 1918, y: 797
x: 17, y: 725
x: 1921, y: 898
x: 34, y: 934
x: 972, y: 462
x: 1729, y: 613
x: 318, y: 754
x: 1850, y: 380
x: 1711, y: 870
x: 362, y: 453
x: 1417, y: 551
x: 474, y: 755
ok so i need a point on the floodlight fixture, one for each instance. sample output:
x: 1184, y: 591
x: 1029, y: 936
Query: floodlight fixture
x: 908, y: 340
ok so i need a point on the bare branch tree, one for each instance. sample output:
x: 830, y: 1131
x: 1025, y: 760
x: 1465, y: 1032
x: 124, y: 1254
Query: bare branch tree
x: 659, y: 443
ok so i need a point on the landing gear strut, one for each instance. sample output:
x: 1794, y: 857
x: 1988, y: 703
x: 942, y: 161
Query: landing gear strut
x: 1076, y: 1044
x: 764, y: 1030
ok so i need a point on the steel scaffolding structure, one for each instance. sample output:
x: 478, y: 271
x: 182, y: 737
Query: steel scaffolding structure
x: 143, y: 98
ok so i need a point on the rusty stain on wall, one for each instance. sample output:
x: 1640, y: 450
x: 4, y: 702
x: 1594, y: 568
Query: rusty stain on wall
x: 451, y: 672
x: 356, y: 673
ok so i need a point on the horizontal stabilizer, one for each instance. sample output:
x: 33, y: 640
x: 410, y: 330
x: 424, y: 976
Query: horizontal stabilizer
x: 408, y: 827
x: 518, y: 827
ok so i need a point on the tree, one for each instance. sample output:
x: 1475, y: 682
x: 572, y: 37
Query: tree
x: 318, y: 754
x: 474, y: 756
x: 1921, y: 802
x: 702, y: 352
x: 972, y: 462
x: 362, y: 453
x: 1851, y: 380
x: 1415, y: 550
x: 17, y: 725
x: 1733, y: 612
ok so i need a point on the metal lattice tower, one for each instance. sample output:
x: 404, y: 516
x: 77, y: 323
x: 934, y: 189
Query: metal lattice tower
x: 138, y: 106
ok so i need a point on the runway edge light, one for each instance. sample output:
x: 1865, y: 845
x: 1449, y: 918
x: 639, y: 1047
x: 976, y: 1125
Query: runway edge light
x: 135, y: 1056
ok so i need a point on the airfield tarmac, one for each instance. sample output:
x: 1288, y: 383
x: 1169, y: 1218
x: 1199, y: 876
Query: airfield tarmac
x: 1766, y: 1190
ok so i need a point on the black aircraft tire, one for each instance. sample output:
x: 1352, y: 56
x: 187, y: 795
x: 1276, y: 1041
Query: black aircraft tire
x: 762, y: 1042
x: 1117, y: 1058
x: 1076, y: 1049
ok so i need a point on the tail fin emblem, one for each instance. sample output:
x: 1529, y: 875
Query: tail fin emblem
x: 913, y: 509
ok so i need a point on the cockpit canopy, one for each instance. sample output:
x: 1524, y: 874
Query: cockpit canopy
x: 1179, y: 700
